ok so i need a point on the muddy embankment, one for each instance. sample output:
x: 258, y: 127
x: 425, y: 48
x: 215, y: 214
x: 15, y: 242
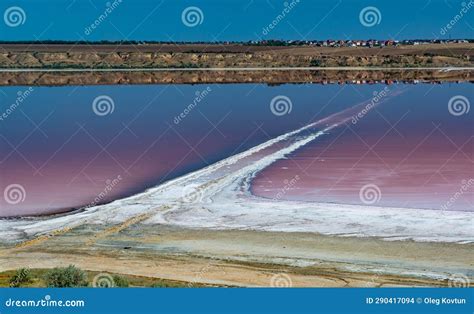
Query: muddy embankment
x: 68, y: 64
x: 222, y: 77
x: 216, y: 56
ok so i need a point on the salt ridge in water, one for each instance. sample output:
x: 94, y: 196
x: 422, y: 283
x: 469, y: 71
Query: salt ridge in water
x: 219, y: 197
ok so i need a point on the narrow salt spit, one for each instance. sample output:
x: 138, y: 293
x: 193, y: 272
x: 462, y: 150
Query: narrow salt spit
x: 218, y: 197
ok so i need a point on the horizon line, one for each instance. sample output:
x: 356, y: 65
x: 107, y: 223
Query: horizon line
x: 470, y: 40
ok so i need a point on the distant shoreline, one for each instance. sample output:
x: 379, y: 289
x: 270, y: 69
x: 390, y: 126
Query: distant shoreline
x: 234, y: 56
x: 165, y: 63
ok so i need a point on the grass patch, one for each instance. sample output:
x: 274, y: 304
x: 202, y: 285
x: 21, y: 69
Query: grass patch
x: 21, y: 277
x: 68, y: 277
x: 41, y: 278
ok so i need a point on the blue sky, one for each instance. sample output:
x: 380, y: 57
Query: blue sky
x: 233, y: 20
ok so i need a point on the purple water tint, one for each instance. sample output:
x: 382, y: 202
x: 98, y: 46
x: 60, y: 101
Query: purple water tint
x: 64, y: 156
x: 408, y: 151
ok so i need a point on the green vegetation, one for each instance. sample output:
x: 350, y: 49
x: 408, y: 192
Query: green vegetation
x: 68, y: 277
x: 74, y: 277
x: 120, y: 282
x: 21, y: 277
x: 160, y: 283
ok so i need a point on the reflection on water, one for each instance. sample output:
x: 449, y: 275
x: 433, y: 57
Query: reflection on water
x: 69, y: 147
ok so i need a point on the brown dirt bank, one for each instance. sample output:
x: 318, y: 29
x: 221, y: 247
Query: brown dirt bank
x: 205, y: 56
x: 222, y: 77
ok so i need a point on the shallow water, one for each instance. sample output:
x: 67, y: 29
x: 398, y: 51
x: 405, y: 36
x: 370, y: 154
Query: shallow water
x: 407, y: 151
x: 66, y: 156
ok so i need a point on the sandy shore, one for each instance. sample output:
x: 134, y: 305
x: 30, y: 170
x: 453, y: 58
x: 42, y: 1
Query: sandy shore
x: 246, y: 258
